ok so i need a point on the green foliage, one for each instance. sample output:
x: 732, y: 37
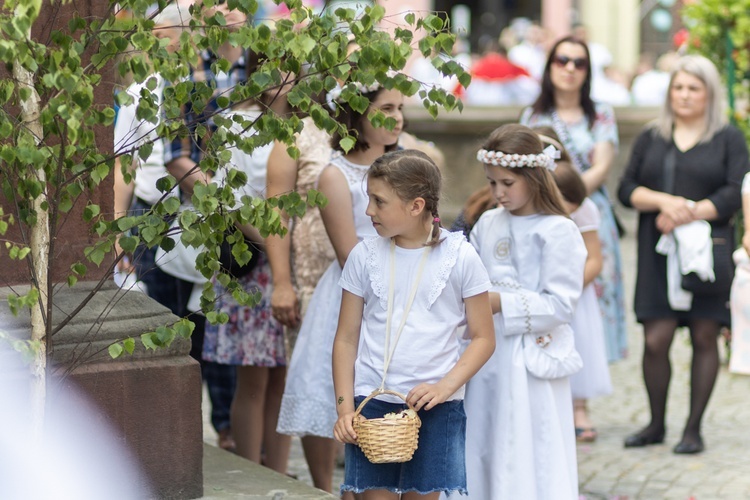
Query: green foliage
x: 720, y: 30
x: 26, y: 348
x: 70, y: 66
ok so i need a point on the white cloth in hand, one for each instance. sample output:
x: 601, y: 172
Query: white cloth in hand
x: 689, y: 249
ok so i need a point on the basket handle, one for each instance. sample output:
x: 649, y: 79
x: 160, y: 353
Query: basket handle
x: 377, y: 392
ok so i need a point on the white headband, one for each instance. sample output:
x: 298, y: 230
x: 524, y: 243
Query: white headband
x: 334, y: 94
x: 544, y: 159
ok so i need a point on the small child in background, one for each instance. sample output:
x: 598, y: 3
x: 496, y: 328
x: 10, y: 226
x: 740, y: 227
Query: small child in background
x: 593, y: 380
x: 739, y: 301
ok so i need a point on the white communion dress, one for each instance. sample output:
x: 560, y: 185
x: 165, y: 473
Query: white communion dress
x: 520, y: 440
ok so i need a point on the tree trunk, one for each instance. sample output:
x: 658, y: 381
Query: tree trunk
x: 39, y: 244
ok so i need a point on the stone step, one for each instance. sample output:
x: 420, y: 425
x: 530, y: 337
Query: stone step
x: 226, y: 475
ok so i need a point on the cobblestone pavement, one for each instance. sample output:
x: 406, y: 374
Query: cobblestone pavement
x: 607, y: 470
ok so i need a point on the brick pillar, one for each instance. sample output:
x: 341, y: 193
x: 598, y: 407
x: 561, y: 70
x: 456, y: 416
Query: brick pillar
x: 152, y: 400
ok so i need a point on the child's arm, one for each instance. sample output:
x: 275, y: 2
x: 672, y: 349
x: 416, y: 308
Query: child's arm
x: 553, y: 301
x: 344, y: 354
x: 495, y: 303
x: 594, y: 260
x: 337, y: 214
x: 481, y: 330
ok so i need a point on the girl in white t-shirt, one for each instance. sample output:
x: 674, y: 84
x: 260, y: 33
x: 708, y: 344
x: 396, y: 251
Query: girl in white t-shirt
x: 593, y: 380
x: 520, y: 441
x: 308, y: 409
x: 405, y: 294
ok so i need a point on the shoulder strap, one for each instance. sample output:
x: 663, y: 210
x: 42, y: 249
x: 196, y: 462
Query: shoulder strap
x: 562, y: 132
x: 669, y: 168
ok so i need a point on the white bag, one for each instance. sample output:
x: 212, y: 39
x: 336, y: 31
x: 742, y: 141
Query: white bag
x: 552, y: 355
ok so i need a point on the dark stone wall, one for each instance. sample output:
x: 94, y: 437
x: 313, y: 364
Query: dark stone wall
x: 151, y: 399
x: 154, y: 406
x: 72, y: 235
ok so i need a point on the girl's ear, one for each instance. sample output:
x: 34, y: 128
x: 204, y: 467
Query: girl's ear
x: 417, y: 206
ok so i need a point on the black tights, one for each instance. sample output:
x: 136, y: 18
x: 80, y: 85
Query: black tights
x: 657, y: 372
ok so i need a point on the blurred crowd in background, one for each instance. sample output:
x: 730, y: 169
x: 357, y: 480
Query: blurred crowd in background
x: 508, y: 71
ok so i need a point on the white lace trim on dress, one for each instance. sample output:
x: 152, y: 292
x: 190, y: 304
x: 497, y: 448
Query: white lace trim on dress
x: 354, y: 172
x: 306, y: 416
x: 449, y: 256
x: 377, y: 249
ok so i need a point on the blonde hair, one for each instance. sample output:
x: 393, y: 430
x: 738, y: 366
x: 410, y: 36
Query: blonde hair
x: 715, y: 117
x: 519, y: 139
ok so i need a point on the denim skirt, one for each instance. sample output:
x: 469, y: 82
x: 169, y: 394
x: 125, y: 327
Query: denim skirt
x: 438, y: 463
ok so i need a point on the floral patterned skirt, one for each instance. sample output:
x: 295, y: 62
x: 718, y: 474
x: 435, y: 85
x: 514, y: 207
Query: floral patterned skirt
x: 251, y: 337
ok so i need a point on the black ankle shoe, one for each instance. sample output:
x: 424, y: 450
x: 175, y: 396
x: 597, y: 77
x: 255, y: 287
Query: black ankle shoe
x: 689, y: 447
x: 642, y: 439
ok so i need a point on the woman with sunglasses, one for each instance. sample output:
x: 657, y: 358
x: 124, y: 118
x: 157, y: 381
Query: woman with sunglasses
x: 588, y: 131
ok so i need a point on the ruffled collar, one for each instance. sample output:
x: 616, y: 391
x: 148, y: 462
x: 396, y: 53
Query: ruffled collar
x: 440, y: 262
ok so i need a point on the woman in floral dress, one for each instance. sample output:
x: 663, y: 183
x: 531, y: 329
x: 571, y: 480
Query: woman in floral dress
x: 588, y: 131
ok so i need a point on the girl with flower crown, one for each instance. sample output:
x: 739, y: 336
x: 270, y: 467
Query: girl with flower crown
x: 520, y: 441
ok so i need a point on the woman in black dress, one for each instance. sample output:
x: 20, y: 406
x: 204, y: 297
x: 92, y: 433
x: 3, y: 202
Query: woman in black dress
x: 710, y: 159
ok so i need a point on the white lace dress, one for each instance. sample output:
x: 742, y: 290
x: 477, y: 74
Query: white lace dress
x: 308, y: 407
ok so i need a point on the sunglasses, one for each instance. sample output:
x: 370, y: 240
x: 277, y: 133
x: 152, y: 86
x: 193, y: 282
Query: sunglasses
x: 578, y: 63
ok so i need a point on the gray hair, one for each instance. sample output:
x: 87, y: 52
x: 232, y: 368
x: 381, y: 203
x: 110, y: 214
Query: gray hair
x: 173, y: 15
x: 706, y: 72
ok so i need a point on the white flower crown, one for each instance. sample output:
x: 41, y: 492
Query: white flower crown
x: 335, y: 93
x: 544, y: 159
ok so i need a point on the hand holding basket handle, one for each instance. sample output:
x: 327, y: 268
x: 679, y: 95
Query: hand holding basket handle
x: 385, y: 440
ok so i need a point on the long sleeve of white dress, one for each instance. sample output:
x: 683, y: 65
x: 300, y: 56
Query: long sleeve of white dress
x: 547, y: 256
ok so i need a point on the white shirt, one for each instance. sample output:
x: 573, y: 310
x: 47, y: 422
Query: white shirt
x: 530, y: 57
x: 254, y: 164
x: 429, y: 344
x: 650, y: 88
x: 130, y: 132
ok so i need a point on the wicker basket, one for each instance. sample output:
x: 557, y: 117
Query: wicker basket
x: 384, y: 440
